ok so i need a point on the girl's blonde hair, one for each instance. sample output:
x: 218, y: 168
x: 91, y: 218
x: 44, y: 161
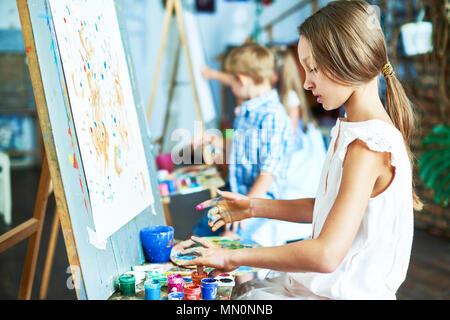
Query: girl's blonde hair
x: 290, y: 81
x: 348, y: 45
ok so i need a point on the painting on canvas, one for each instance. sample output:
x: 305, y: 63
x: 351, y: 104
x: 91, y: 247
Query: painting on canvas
x: 103, y: 111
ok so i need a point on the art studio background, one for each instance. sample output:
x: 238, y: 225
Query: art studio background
x: 213, y: 30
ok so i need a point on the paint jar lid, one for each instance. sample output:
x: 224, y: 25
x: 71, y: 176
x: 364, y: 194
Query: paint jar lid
x: 152, y: 284
x: 127, y: 279
x: 225, y: 282
x: 139, y: 276
x: 209, y: 283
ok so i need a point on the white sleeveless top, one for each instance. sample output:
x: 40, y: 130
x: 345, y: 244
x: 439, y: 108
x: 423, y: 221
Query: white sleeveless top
x: 377, y: 261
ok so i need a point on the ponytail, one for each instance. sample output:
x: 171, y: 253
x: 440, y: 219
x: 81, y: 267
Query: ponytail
x: 401, y: 113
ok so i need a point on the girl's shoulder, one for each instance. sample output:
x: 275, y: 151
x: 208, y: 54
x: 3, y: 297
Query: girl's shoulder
x: 378, y: 135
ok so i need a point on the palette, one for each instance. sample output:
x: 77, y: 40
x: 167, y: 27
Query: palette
x: 220, y: 242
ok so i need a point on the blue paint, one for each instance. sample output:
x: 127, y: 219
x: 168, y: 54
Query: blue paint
x: 104, y: 63
x: 152, y: 289
x: 175, y: 296
x: 209, y: 288
x: 157, y: 242
x: 96, y: 28
x: 102, y: 77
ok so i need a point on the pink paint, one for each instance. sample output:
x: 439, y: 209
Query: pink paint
x: 174, y: 283
x: 164, y: 189
x: 199, y: 207
x: 164, y: 162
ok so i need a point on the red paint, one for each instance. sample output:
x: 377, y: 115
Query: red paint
x: 81, y: 185
x: 75, y: 162
x: 28, y: 49
x: 84, y: 68
x: 192, y: 292
x: 65, y: 20
x: 85, y: 205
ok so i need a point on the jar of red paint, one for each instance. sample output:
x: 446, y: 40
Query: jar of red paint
x: 192, y: 292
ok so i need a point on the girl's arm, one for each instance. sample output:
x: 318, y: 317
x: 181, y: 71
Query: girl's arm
x: 325, y: 252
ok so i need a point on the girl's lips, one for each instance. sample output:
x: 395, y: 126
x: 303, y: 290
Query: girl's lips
x: 319, y: 99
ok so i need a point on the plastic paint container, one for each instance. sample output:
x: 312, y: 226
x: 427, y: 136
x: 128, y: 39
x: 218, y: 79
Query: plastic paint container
x: 209, y: 289
x: 152, y: 289
x: 197, y: 277
x: 175, y: 296
x: 157, y: 242
x: 174, y: 283
x: 164, y: 162
x: 171, y: 185
x: 192, y: 292
x: 164, y: 189
x: 127, y: 285
x: 225, y: 287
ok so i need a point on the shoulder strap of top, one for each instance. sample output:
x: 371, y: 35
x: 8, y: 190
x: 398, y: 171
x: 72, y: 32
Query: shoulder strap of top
x: 377, y: 135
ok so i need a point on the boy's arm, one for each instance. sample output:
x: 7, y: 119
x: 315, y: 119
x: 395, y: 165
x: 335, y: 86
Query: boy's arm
x: 221, y: 76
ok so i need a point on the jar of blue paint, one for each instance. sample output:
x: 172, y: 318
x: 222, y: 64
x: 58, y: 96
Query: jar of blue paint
x: 209, y: 288
x: 175, y: 296
x: 152, y: 289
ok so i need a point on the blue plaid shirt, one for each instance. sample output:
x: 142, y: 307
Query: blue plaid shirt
x: 262, y: 141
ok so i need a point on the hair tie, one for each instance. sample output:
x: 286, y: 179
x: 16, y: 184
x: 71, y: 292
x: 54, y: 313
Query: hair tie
x: 387, y: 71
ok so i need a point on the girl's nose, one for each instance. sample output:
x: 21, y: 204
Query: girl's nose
x: 308, y: 85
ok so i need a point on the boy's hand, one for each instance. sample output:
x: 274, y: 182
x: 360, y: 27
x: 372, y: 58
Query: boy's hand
x: 229, y: 207
x: 206, y: 72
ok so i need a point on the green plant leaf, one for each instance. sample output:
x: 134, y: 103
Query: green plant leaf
x: 441, y: 187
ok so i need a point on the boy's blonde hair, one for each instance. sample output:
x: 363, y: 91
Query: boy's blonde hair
x: 253, y: 60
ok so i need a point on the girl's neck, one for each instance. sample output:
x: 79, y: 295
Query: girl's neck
x: 365, y: 104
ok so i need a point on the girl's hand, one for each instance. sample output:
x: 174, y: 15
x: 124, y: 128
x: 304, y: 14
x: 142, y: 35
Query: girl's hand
x: 229, y: 207
x: 209, y: 256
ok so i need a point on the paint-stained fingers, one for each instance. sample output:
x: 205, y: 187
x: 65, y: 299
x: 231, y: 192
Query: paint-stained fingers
x: 193, y: 262
x: 203, y: 242
x: 209, y: 203
x: 185, y: 244
x: 226, y: 195
x: 194, y: 251
x: 218, y: 224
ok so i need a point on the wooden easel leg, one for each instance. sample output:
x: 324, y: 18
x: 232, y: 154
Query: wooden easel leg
x: 50, y: 253
x: 34, y: 241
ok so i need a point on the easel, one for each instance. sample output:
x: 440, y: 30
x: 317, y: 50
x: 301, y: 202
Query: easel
x: 32, y: 229
x: 171, y: 6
